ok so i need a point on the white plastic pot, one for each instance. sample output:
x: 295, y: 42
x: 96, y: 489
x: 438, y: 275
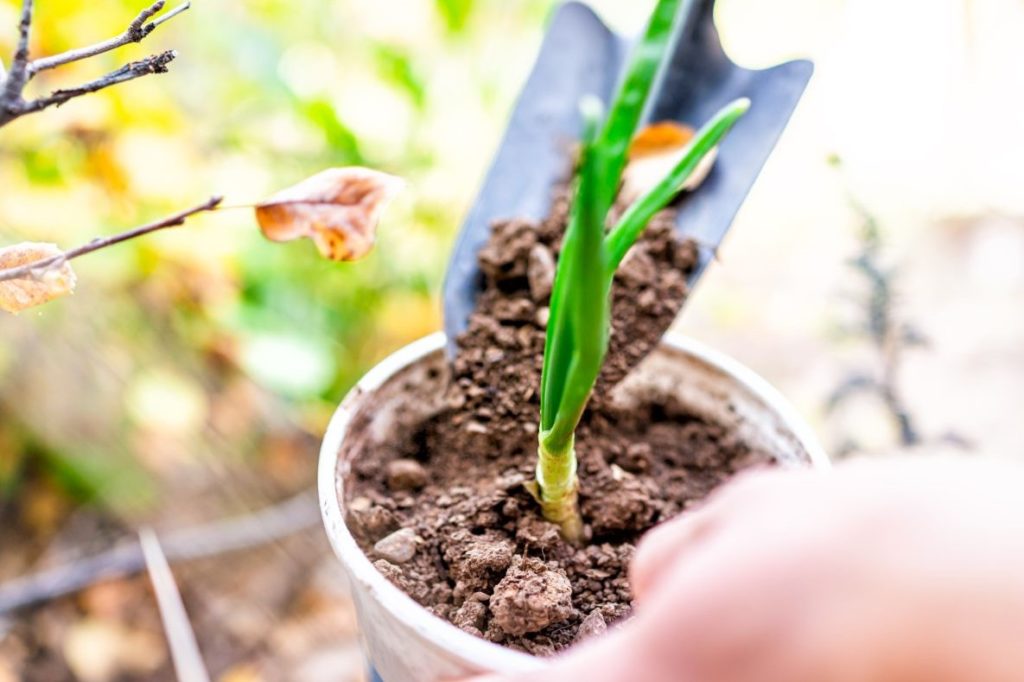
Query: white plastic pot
x: 403, y: 640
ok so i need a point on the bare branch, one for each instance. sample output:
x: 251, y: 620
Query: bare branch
x: 13, y: 104
x: 188, y: 662
x: 154, y: 64
x: 18, y: 75
x: 218, y: 537
x: 32, y: 270
x: 135, y: 33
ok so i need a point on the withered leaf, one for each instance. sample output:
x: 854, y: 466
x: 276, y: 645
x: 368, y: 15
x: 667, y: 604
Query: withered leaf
x: 337, y: 208
x: 657, y: 137
x: 654, y: 152
x: 38, y: 288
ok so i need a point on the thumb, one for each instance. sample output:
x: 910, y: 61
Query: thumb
x: 662, y: 545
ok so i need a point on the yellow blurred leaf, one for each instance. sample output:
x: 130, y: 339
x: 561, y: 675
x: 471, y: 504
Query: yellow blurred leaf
x: 654, y: 152
x: 337, y: 208
x: 35, y: 289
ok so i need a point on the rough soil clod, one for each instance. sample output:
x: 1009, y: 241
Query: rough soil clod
x: 530, y: 597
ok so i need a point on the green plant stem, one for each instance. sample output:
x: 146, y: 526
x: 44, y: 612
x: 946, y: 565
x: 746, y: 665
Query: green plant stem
x: 557, y: 490
x: 575, y: 343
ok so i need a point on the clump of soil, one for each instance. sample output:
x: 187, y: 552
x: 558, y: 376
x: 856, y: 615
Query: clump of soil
x: 530, y: 597
x: 444, y: 513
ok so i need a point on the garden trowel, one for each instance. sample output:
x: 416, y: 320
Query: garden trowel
x: 581, y: 56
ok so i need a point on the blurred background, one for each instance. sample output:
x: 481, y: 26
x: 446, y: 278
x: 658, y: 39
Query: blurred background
x: 875, y: 275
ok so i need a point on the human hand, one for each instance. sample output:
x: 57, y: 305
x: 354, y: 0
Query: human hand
x: 882, y: 571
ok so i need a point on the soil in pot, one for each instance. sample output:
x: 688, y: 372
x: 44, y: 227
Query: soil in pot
x: 442, y: 510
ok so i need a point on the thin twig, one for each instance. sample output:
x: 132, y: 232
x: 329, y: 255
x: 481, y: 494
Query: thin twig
x: 156, y: 63
x: 170, y: 15
x: 18, y: 74
x: 34, y: 270
x: 883, y: 328
x: 219, y: 537
x: 135, y: 33
x: 181, y: 639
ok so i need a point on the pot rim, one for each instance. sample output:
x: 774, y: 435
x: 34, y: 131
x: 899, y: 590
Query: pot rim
x: 478, y: 652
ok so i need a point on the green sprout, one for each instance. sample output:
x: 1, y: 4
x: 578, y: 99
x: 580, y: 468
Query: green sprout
x: 580, y: 309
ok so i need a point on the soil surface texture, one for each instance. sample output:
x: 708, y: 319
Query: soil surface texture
x: 444, y: 514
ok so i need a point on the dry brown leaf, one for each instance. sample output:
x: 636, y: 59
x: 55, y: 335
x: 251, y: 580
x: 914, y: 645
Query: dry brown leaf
x: 337, y: 208
x: 654, y: 152
x: 18, y: 294
x: 657, y: 137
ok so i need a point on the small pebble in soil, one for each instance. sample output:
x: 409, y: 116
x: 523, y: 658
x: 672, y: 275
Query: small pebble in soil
x: 541, y: 318
x: 647, y: 300
x: 359, y: 504
x: 540, y: 272
x: 531, y: 597
x: 510, y: 480
x: 399, y: 547
x: 593, y: 625
x: 370, y: 521
x: 474, y: 426
x: 406, y: 474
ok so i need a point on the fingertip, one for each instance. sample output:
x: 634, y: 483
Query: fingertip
x: 660, y: 546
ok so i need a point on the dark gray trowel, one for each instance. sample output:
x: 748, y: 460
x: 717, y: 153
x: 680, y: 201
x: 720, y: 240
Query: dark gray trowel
x: 581, y: 56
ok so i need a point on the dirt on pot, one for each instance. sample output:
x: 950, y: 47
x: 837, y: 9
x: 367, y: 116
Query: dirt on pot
x: 442, y: 510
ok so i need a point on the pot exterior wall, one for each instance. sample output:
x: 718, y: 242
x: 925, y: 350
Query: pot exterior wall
x: 402, y: 639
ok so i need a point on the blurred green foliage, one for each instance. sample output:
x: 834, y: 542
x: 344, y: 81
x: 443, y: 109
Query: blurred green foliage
x: 196, y: 346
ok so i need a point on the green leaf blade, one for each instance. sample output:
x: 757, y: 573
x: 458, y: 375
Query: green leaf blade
x: 578, y: 244
x: 628, y: 105
x: 586, y: 304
